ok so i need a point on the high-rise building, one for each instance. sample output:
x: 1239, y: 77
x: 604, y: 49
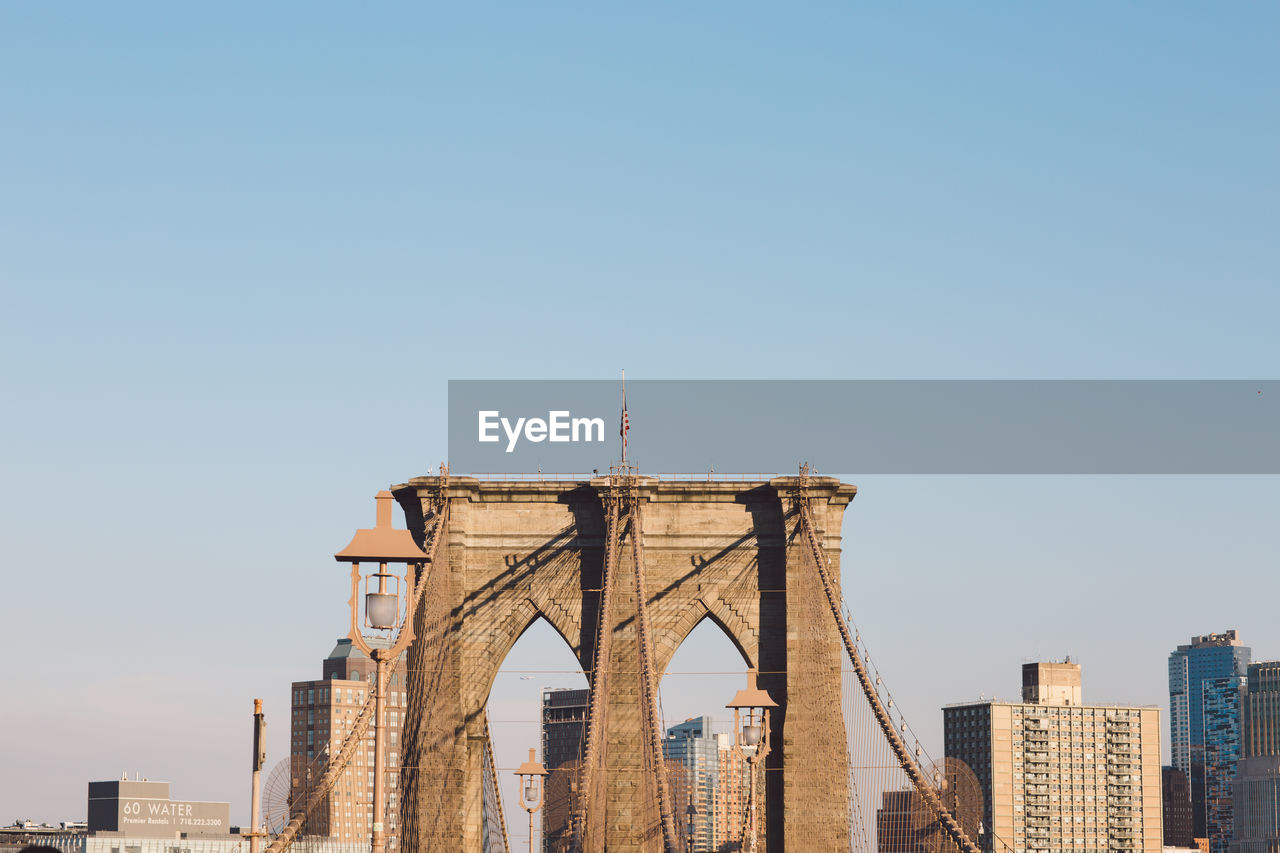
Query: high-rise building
x: 1262, y: 710
x: 708, y: 782
x: 1222, y: 701
x: 1256, y: 791
x: 1198, y: 672
x: 1057, y: 775
x: 695, y: 787
x: 703, y: 771
x: 324, y: 712
x: 564, y: 726
x: 1176, y: 803
x: 730, y: 816
x: 897, y: 819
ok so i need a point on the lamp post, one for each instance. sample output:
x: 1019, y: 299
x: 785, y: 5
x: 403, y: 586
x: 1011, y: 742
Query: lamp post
x: 751, y: 740
x: 381, y: 544
x: 691, y: 817
x: 259, y: 759
x: 532, y: 790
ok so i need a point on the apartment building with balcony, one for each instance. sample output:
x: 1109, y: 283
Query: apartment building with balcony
x: 1058, y: 775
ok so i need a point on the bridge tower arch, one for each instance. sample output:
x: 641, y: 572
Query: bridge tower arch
x: 724, y: 550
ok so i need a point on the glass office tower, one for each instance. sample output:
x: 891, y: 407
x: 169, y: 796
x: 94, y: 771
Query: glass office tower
x: 1207, y: 672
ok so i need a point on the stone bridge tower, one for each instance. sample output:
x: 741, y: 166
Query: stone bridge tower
x: 515, y: 552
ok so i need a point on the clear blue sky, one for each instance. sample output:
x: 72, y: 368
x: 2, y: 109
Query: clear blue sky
x: 242, y: 249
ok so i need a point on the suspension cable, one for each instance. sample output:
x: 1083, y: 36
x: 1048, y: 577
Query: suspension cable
x: 354, y: 738
x: 648, y: 678
x: 599, y: 685
x: 800, y: 495
x: 497, y: 787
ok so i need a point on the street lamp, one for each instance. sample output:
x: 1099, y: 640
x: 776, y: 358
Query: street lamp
x: 532, y: 790
x: 751, y: 740
x: 381, y: 544
x: 691, y: 817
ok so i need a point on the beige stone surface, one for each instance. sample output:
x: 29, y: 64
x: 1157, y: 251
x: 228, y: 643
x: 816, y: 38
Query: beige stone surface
x: 726, y: 551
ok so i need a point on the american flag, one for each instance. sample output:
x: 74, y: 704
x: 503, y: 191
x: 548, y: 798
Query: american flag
x: 625, y: 427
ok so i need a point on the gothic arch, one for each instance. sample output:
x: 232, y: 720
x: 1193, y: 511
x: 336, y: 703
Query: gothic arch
x: 517, y: 622
x: 690, y: 618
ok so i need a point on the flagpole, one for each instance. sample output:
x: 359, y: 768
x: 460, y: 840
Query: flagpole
x: 624, y: 420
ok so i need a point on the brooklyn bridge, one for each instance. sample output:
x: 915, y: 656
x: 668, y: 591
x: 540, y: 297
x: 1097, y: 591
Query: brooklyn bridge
x: 623, y: 567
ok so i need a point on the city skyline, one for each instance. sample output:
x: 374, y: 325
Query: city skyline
x: 715, y: 682
x: 243, y: 250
